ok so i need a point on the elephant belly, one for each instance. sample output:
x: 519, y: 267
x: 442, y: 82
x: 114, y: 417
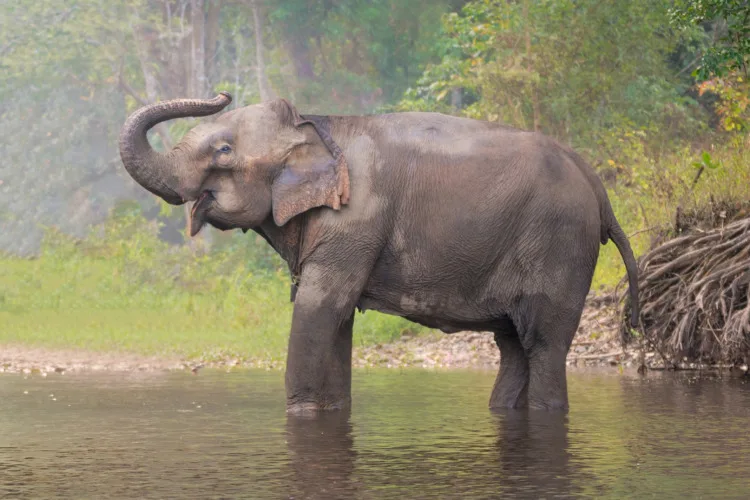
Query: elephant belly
x: 446, y: 311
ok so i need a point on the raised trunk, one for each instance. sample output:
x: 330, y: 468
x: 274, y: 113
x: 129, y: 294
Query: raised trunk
x: 157, y: 172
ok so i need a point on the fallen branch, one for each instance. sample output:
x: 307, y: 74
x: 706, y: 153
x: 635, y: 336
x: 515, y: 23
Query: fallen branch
x: 695, y: 296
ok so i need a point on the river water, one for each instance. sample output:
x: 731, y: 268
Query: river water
x: 410, y: 434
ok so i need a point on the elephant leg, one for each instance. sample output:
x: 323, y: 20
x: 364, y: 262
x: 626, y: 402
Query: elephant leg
x: 548, y: 387
x: 546, y: 324
x: 513, y: 376
x: 319, y: 359
x: 319, y: 364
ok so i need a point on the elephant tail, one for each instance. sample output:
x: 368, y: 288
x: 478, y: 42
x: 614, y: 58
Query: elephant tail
x: 610, y: 229
x: 618, y: 236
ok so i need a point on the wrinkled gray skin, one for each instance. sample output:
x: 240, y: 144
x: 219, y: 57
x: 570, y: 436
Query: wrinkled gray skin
x: 456, y: 224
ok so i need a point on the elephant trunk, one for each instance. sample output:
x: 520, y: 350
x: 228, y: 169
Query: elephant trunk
x: 157, y: 172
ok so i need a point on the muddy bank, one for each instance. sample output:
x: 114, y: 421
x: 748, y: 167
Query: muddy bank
x: 596, y: 345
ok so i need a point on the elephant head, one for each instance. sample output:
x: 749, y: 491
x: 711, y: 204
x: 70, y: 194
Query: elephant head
x: 245, y: 166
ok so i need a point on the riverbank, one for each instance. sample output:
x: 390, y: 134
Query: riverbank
x: 596, y: 344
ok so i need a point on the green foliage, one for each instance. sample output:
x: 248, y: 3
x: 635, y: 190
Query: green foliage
x: 729, y: 24
x: 71, y: 71
x: 733, y: 107
x: 706, y: 161
x: 122, y: 288
x: 572, y: 69
x: 723, y: 67
x: 351, y: 56
x: 648, y: 191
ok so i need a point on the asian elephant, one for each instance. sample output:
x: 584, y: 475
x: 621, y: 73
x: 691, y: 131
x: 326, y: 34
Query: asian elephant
x: 453, y: 223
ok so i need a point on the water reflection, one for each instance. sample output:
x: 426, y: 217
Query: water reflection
x: 533, y: 454
x: 411, y: 434
x: 321, y: 450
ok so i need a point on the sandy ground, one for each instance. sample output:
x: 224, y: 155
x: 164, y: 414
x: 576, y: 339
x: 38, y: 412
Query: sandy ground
x: 596, y: 344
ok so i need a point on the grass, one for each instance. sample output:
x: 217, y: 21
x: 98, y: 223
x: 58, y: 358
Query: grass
x: 133, y: 293
x: 122, y: 289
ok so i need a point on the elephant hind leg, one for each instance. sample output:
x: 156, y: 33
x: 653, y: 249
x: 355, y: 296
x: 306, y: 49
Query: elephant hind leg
x: 511, y: 385
x: 548, y: 386
x: 546, y: 341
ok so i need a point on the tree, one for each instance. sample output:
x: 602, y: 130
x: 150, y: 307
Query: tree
x: 724, y: 63
x: 71, y: 71
x: 266, y: 93
x: 573, y: 69
x: 728, y: 23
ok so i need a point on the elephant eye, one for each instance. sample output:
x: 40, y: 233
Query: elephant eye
x: 225, y: 149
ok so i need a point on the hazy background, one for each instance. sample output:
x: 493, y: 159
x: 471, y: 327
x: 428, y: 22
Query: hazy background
x: 70, y: 72
x: 589, y: 72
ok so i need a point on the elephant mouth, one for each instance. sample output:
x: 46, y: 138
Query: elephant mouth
x: 199, y: 211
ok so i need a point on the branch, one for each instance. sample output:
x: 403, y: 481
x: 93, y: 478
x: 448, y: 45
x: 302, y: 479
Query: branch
x: 125, y: 87
x: 596, y: 356
x: 690, y: 64
x: 646, y: 230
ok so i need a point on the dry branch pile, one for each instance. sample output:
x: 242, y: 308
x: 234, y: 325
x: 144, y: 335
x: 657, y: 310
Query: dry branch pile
x: 695, y: 296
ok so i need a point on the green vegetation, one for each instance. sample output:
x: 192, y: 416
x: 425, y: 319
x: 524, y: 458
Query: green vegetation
x: 655, y: 94
x: 646, y: 205
x: 124, y: 289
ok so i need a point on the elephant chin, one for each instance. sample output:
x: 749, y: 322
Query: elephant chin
x: 198, y: 214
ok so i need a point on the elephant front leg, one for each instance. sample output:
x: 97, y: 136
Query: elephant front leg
x: 319, y: 360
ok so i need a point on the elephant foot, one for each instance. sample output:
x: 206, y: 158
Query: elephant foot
x: 507, y: 405
x: 311, y: 408
x: 549, y: 405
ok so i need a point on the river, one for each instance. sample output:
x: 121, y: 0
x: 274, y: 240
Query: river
x: 410, y: 434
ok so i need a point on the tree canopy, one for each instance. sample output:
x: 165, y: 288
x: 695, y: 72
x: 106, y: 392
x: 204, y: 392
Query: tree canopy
x: 71, y: 71
x: 612, y: 78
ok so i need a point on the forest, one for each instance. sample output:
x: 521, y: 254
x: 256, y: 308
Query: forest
x: 653, y: 93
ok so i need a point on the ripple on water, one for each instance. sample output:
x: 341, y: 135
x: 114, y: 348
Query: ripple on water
x: 411, y: 434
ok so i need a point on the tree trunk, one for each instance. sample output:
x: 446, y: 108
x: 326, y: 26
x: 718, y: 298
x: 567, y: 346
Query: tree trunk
x: 266, y: 92
x: 152, y: 83
x: 457, y: 98
x: 530, y: 67
x: 212, y: 36
x: 301, y: 58
x: 197, y: 85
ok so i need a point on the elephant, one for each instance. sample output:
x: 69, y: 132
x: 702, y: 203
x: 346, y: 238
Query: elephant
x: 453, y: 223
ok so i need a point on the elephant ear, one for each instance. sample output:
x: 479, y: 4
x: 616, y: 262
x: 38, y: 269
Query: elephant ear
x: 313, y: 176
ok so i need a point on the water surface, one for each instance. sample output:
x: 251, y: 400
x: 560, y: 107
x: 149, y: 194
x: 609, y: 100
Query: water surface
x: 411, y: 434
